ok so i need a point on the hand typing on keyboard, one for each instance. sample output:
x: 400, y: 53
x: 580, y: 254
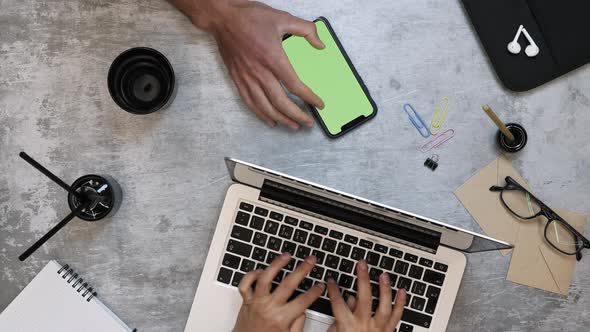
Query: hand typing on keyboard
x: 265, y: 309
x: 355, y: 315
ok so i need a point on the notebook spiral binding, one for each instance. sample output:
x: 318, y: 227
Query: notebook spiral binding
x: 77, y: 282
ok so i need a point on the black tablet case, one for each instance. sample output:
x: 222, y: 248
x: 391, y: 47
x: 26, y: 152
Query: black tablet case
x: 559, y: 27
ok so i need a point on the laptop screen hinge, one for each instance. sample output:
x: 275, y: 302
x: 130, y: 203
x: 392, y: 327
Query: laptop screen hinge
x: 350, y: 216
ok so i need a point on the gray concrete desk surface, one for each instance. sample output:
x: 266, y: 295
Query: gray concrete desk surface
x: 146, y: 261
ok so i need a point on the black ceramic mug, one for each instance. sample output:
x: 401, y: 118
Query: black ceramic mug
x: 141, y: 81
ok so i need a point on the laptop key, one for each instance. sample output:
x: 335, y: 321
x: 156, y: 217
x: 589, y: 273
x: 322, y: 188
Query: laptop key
x: 300, y: 236
x: 441, y: 267
x: 332, y: 261
x: 314, y: 240
x: 317, y: 272
x: 279, y: 277
x: 320, y: 256
x: 291, y: 221
x: 286, y: 232
x: 358, y: 253
x: 259, y: 254
x: 396, y: 253
x: 242, y: 218
x: 230, y: 260
x: 425, y: 262
x: 434, y: 277
x: 237, y: 278
x: 411, y: 258
x: 239, y: 248
x: 257, y: 222
x: 386, y: 263
x: 260, y: 266
x: 417, y: 303
x: 351, y: 239
x: 343, y: 249
x: 291, y: 265
x: 320, y: 230
x: 418, y: 288
x: 374, y: 305
x: 406, y: 328
x: 366, y: 244
x: 274, y: 243
x: 392, y: 279
x: 305, y: 284
x: 241, y: 233
x: 404, y: 283
x: 246, y: 207
x: 345, y: 281
x: 329, y: 245
x: 224, y: 275
x: 331, y: 274
x: 346, y: 265
x: 289, y: 247
x: 271, y: 257
x: 271, y: 227
x: 408, y: 299
x: 306, y: 225
x: 375, y: 289
x: 336, y: 235
x: 260, y: 239
x: 276, y: 216
x: 261, y: 211
x: 302, y: 252
x: 348, y: 294
x: 374, y: 274
x: 401, y: 267
x: 380, y: 248
x: 416, y: 272
x: 432, y: 295
x: 373, y: 258
x: 416, y: 318
x: 248, y: 265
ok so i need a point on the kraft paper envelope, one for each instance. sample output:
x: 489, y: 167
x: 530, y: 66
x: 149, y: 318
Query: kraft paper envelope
x: 485, y: 206
x: 535, y: 263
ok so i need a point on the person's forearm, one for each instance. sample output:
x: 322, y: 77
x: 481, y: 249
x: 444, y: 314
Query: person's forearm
x: 205, y: 14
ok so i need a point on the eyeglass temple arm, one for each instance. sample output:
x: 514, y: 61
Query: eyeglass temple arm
x: 496, y: 188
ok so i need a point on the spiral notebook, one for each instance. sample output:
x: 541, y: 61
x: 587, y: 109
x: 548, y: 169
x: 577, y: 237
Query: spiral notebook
x: 58, y: 299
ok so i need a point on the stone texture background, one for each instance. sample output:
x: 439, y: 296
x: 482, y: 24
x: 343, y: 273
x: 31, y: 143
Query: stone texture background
x: 146, y: 261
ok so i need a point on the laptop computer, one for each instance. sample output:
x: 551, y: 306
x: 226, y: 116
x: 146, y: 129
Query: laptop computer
x: 266, y: 213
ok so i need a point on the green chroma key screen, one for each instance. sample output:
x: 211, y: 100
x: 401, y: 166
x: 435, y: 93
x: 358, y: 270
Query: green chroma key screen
x: 328, y: 74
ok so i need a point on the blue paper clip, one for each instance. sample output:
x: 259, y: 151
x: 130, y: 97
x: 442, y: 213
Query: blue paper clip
x: 422, y: 127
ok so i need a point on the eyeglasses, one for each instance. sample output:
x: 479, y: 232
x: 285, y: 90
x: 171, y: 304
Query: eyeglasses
x: 558, y: 233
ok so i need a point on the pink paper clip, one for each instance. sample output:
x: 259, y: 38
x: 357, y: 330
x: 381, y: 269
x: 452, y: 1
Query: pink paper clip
x: 438, y: 140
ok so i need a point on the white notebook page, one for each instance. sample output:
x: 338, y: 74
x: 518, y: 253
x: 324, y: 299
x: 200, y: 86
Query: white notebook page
x: 49, y: 303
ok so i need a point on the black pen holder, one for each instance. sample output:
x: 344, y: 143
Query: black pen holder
x: 520, y: 138
x: 102, y: 191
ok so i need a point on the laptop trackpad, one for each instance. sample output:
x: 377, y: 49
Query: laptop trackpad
x: 312, y: 325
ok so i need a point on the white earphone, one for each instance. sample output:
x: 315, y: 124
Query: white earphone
x: 531, y: 50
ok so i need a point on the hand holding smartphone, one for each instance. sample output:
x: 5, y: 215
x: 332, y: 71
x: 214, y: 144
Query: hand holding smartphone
x: 332, y: 76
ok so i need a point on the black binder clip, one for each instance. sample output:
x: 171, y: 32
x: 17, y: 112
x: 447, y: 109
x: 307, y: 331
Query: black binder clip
x: 432, y: 162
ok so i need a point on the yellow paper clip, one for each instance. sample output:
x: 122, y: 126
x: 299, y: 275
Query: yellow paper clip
x: 435, y: 125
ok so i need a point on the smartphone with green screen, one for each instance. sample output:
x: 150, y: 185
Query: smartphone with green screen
x: 331, y: 75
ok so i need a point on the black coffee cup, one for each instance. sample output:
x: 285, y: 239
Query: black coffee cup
x: 520, y: 138
x: 141, y: 80
x: 103, y: 192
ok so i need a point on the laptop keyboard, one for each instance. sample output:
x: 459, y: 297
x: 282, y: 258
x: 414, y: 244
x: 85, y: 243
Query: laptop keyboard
x: 259, y: 235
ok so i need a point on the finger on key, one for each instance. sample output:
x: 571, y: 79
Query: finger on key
x: 264, y: 283
x: 339, y: 308
x: 384, y: 309
x: 363, y: 305
x: 398, y: 309
x: 245, y: 286
x: 290, y: 283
